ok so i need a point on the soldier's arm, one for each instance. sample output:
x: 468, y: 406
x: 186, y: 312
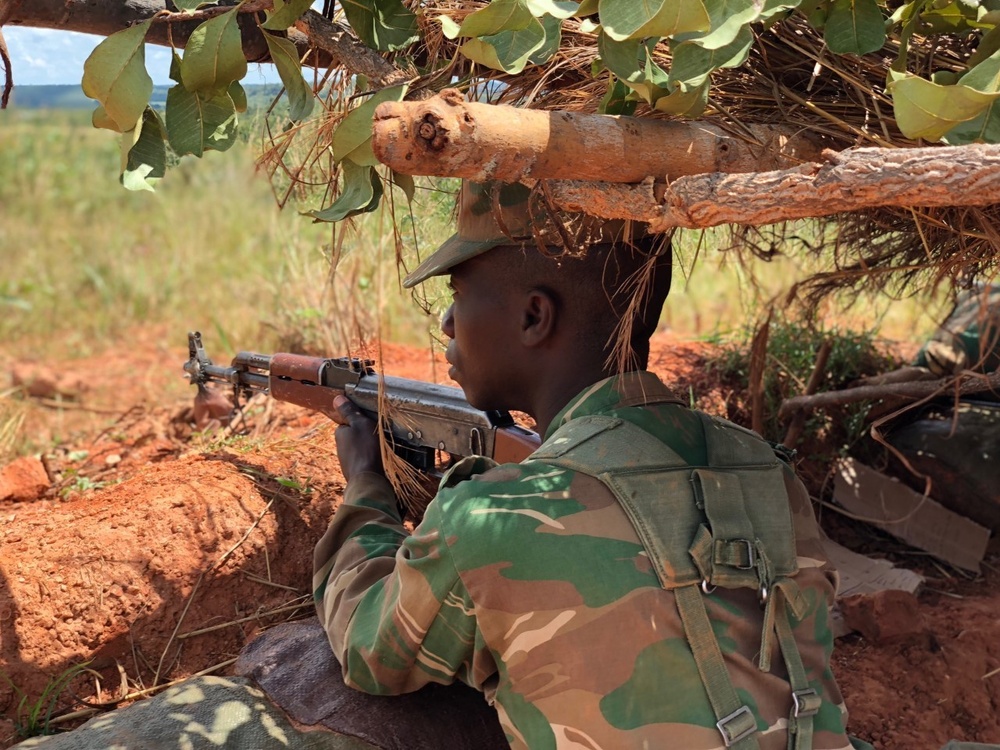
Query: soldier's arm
x: 393, y: 605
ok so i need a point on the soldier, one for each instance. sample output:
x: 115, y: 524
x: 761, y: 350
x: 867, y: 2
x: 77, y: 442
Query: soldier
x: 651, y: 577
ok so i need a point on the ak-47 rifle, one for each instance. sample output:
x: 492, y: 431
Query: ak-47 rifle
x: 425, y: 418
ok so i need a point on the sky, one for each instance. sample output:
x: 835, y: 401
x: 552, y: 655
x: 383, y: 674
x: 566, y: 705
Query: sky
x: 45, y: 56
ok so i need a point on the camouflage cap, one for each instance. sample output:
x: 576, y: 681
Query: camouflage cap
x: 492, y: 214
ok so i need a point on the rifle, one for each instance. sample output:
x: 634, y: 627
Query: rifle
x: 426, y: 418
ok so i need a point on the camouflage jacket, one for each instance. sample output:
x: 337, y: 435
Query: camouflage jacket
x: 969, y: 339
x: 529, y: 582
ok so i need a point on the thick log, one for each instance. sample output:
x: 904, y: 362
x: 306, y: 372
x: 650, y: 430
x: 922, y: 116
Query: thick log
x: 847, y: 181
x: 447, y: 136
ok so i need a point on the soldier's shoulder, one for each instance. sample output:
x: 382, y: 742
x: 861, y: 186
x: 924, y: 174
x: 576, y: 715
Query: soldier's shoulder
x: 499, y: 484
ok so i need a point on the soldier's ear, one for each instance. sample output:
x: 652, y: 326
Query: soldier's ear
x: 539, y: 313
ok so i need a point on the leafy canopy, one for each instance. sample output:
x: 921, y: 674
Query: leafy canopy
x: 505, y: 38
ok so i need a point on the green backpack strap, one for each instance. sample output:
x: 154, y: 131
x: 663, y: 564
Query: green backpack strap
x: 702, y: 533
x: 651, y: 469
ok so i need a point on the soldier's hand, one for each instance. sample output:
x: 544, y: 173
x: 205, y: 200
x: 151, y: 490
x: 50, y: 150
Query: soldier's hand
x: 357, y: 439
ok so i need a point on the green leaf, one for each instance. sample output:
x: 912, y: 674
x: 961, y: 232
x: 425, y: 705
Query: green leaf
x: 615, y: 102
x: 952, y: 18
x: 982, y: 129
x: 361, y: 193
x: 115, y: 75
x: 630, y: 61
x: 147, y: 159
x: 509, y: 51
x: 285, y: 14
x: 213, y: 57
x: 498, y: 16
x: 985, y: 128
x: 405, y: 183
x: 728, y: 19
x: 689, y: 103
x: 383, y: 25
x: 192, y: 5
x: 692, y: 65
x: 772, y: 8
x: 239, y: 96
x: 927, y: 110
x: 854, y: 27
x: 560, y: 9
x: 985, y: 76
x: 355, y: 130
x: 196, y: 122
x: 638, y: 19
x: 175, y: 66
x: 553, y: 38
x: 285, y: 57
x: 449, y: 28
x: 587, y: 8
x: 988, y: 45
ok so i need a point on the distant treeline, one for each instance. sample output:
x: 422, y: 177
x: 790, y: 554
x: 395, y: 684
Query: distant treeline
x: 72, y: 97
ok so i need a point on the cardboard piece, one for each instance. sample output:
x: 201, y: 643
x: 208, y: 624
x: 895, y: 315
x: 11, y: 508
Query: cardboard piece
x: 917, y: 520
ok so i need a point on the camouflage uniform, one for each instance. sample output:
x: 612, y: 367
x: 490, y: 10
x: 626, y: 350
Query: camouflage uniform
x: 531, y: 583
x: 970, y: 337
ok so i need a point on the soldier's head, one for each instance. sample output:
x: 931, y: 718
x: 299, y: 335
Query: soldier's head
x: 540, y: 293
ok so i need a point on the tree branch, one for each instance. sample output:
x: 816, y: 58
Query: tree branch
x: 345, y: 50
x: 330, y: 44
x: 850, y: 180
x: 960, y: 385
x: 447, y: 136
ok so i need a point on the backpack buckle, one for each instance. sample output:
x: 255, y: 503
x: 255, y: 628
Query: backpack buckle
x: 751, y: 555
x: 807, y: 703
x: 739, y: 725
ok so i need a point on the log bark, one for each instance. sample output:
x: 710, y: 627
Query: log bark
x: 848, y: 181
x: 328, y: 43
x: 673, y: 174
x: 447, y: 136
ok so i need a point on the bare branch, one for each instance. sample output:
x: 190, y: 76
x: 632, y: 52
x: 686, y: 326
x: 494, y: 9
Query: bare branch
x: 447, y: 136
x: 961, y: 385
x: 320, y: 43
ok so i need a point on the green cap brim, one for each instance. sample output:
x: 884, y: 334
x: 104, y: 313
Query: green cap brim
x: 453, y: 252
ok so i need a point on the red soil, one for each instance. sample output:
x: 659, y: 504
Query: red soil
x: 148, y: 535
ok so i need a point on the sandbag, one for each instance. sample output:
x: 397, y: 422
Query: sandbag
x: 958, y: 447
x: 294, y: 665
x: 203, y: 713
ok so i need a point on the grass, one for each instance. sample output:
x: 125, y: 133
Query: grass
x: 84, y: 262
x: 34, y: 718
x: 791, y: 356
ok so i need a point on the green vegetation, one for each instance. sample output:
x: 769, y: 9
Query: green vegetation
x: 85, y: 261
x: 88, y: 266
x: 792, y: 349
x: 34, y: 719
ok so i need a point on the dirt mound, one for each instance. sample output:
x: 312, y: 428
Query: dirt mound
x: 156, y: 553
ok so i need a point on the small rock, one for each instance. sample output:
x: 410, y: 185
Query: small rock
x: 40, y: 381
x: 23, y: 479
x: 113, y: 459
x: 884, y: 616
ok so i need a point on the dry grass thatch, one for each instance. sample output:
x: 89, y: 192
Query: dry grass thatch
x: 789, y: 78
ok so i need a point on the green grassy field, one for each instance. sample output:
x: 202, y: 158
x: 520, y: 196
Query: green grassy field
x: 83, y: 261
